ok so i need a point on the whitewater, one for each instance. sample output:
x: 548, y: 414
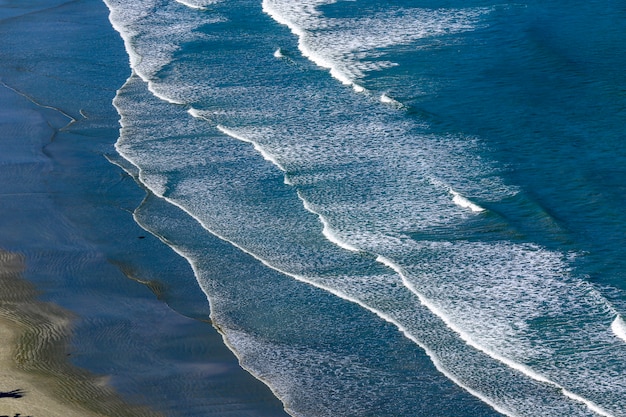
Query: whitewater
x: 288, y: 130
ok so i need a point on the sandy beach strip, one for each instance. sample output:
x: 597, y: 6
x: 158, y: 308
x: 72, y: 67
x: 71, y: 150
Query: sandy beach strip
x: 35, y: 377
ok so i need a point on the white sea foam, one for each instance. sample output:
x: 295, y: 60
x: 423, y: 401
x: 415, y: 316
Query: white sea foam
x: 384, y: 98
x: 350, y: 48
x: 195, y: 113
x: 461, y: 201
x: 470, y: 340
x: 152, y: 32
x: 498, y: 407
x: 619, y: 327
x: 285, y: 240
x: 374, y: 188
x: 462, y: 333
x: 590, y: 404
x: 357, y: 88
x: 198, y: 4
x: 266, y: 155
x: 328, y: 231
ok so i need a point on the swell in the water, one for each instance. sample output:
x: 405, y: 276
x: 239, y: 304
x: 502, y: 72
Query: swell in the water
x: 496, y: 305
x: 331, y: 235
x: 336, y: 49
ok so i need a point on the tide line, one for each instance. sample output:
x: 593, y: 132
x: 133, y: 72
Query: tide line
x: 43, y: 106
x: 468, y: 340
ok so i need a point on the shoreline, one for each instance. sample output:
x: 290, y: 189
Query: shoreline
x: 119, y: 320
x: 35, y: 377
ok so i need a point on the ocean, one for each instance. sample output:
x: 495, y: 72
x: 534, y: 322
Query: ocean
x: 394, y: 208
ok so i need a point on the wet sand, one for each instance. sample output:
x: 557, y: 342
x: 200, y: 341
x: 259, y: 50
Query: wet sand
x: 35, y: 376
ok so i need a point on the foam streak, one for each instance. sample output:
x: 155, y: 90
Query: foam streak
x: 468, y: 339
x: 619, y: 327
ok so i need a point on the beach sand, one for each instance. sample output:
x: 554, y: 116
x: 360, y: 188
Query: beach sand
x: 97, y: 316
x: 35, y: 377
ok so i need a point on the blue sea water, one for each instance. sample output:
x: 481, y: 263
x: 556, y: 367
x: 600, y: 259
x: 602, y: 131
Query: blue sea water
x: 394, y: 208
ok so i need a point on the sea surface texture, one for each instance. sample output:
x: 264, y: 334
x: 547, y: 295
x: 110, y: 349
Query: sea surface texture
x: 407, y: 208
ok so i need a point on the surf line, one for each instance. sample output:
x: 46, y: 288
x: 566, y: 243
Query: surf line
x: 327, y: 229
x: 329, y: 233
x: 468, y: 340
x: 306, y: 51
x: 311, y: 282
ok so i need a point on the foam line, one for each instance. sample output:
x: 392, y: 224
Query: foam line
x: 196, y: 114
x: 385, y: 99
x: 461, y: 201
x: 468, y: 339
x: 430, y: 353
x: 457, y: 198
x: 306, y: 51
x: 330, y: 290
x: 327, y: 230
x: 256, y: 146
x: 619, y: 327
x: 590, y: 405
x: 382, y: 315
x: 133, y: 57
x: 195, y: 5
x: 161, y: 96
x: 331, y: 236
x: 346, y: 297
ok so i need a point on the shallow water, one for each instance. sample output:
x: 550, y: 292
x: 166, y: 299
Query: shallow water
x: 393, y: 210
x: 139, y: 322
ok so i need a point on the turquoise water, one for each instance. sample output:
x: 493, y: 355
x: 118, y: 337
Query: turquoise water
x: 425, y: 200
